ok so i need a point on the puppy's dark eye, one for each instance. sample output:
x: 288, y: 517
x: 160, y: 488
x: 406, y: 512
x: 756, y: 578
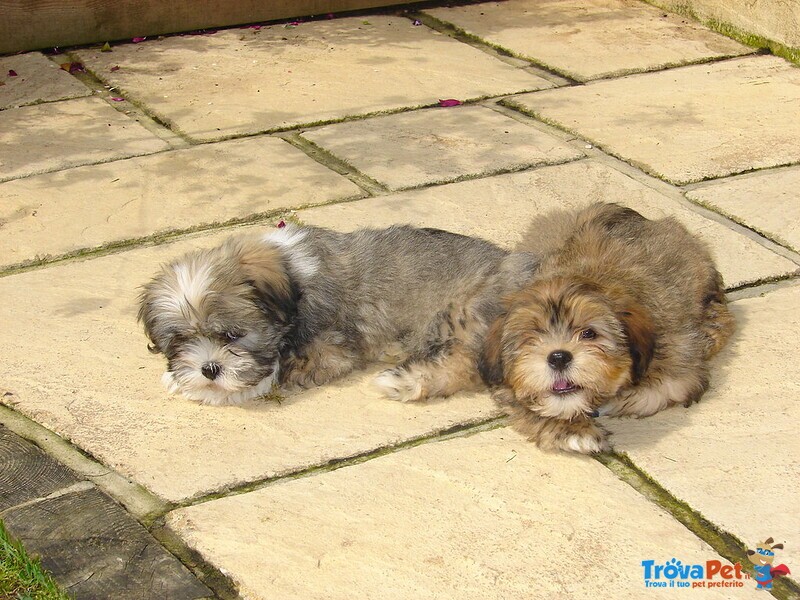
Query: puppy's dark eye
x: 587, y: 334
x: 231, y: 336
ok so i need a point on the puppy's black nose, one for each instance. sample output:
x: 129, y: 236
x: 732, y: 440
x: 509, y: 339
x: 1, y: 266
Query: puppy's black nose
x: 559, y: 359
x: 210, y: 370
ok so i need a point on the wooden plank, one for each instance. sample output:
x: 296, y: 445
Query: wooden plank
x: 34, y: 24
x: 27, y: 473
x: 96, y: 550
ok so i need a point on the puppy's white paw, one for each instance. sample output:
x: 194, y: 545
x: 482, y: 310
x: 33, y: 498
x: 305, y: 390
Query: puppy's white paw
x: 168, y: 381
x: 399, y: 384
x: 585, y: 443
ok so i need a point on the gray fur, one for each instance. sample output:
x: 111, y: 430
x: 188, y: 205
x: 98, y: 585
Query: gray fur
x: 328, y: 302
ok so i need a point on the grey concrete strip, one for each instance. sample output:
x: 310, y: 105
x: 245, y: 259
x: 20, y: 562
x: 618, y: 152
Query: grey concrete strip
x: 484, y: 516
x: 93, y: 548
x: 139, y: 502
x: 590, y: 39
x: 35, y: 80
x: 239, y: 82
x: 689, y: 124
x: 46, y: 215
x: 439, y: 145
x: 60, y: 135
x: 764, y: 201
x: 516, y: 197
x: 734, y: 456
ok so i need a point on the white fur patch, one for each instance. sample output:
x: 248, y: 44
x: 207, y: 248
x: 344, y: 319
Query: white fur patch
x: 646, y: 401
x: 187, y: 378
x: 204, y: 392
x: 585, y: 444
x: 289, y: 239
x: 537, y: 376
x: 399, y: 385
x: 564, y: 406
x: 186, y: 290
x: 193, y: 279
x: 168, y: 380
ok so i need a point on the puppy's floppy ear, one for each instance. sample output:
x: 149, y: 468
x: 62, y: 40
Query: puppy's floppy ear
x: 146, y: 316
x: 264, y: 268
x: 490, y: 362
x: 640, y: 331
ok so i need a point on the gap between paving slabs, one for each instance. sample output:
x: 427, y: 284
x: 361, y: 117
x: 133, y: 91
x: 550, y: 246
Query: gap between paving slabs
x: 158, y: 239
x: 127, y: 107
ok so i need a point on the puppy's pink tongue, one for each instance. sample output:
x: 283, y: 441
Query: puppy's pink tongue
x: 562, y: 385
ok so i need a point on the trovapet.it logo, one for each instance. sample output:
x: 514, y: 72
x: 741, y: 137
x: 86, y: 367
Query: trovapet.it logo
x: 674, y: 573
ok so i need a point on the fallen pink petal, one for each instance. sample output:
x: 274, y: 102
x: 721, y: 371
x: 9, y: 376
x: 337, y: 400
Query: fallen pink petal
x: 417, y: 23
x: 117, y: 99
x: 136, y: 40
x: 114, y: 68
x: 449, y: 102
x: 12, y: 73
x: 281, y: 224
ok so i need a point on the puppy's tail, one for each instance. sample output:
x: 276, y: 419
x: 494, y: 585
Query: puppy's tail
x: 718, y: 321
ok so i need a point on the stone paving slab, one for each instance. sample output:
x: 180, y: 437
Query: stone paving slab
x: 47, y: 214
x: 499, y: 208
x: 766, y: 202
x: 243, y: 81
x: 37, y: 80
x: 734, y: 456
x: 689, y: 124
x: 96, y: 551
x: 590, y: 39
x: 81, y: 368
x: 485, y: 516
x: 440, y: 144
x: 59, y: 135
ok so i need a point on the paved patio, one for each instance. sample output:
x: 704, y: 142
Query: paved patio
x: 177, y: 142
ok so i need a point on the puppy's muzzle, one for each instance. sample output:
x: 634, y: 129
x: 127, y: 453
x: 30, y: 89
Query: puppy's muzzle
x: 559, y: 359
x: 210, y: 370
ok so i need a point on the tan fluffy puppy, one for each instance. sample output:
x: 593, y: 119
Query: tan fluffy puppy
x: 620, y: 319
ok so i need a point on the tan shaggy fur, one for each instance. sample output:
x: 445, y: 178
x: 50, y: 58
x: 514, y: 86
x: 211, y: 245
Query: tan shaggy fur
x: 620, y: 319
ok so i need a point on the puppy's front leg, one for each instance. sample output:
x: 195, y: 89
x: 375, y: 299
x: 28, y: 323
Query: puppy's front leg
x: 445, y: 363
x: 320, y: 362
x: 581, y: 434
x: 422, y: 378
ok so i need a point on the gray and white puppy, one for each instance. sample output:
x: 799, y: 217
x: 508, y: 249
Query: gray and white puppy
x: 305, y: 305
